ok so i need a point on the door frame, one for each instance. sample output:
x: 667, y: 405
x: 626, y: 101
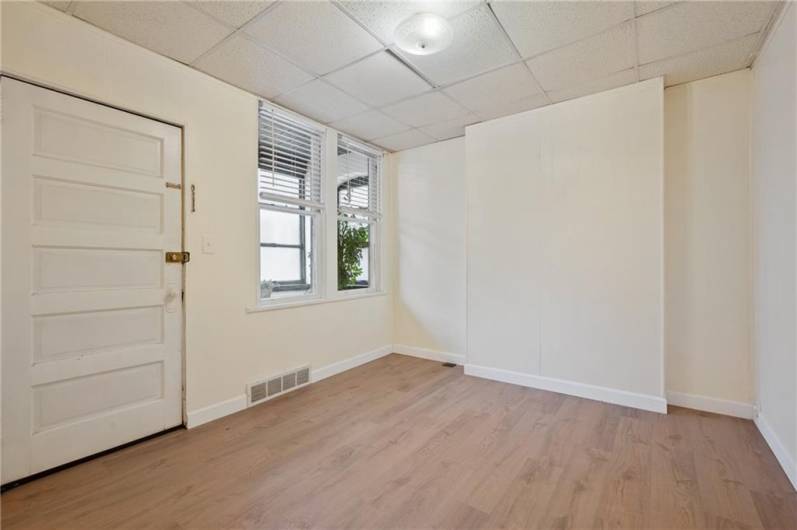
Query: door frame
x: 182, y: 217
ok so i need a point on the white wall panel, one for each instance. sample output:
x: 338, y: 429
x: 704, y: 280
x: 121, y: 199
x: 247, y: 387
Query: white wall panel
x: 774, y: 173
x: 565, y: 241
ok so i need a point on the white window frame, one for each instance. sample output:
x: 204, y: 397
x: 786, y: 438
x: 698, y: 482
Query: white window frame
x: 374, y: 238
x: 316, y: 290
x: 325, y: 263
x: 317, y: 217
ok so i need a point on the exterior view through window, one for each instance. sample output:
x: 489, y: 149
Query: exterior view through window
x: 358, y: 179
x: 290, y: 199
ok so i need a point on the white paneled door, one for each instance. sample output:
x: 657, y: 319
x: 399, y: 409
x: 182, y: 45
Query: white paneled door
x: 91, y: 313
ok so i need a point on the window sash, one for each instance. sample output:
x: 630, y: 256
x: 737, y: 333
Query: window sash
x: 290, y: 159
x: 358, y: 183
x: 358, y: 179
x: 371, y: 257
x: 300, y: 284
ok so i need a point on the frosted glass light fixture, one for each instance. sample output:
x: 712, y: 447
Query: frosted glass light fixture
x: 424, y: 34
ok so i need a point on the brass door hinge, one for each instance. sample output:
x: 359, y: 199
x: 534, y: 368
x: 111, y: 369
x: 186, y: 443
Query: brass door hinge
x: 178, y: 257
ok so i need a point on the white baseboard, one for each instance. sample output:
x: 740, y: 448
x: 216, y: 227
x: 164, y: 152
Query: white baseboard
x: 583, y: 390
x: 785, y: 460
x: 215, y: 411
x: 736, y: 409
x: 431, y: 355
x: 347, y: 364
x: 238, y: 403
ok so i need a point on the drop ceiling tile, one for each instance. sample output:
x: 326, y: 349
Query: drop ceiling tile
x: 426, y: 109
x: 381, y: 18
x: 316, y: 35
x: 648, y: 6
x: 369, y: 125
x: 479, y: 45
x: 720, y: 59
x: 536, y: 27
x: 169, y: 28
x: 506, y: 84
x: 241, y: 62
x: 626, y: 77
x: 450, y: 129
x: 322, y: 102
x: 236, y: 13
x: 690, y: 26
x: 505, y: 108
x: 378, y: 80
x: 592, y: 58
x: 405, y: 140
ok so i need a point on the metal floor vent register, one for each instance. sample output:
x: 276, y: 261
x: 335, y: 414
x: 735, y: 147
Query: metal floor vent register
x: 278, y: 384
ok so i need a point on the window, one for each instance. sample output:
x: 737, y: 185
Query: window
x: 290, y: 199
x: 358, y: 179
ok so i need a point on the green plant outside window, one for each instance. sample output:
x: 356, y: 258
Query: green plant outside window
x: 353, y: 240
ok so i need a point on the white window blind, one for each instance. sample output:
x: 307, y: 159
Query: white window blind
x: 289, y: 160
x: 359, y: 171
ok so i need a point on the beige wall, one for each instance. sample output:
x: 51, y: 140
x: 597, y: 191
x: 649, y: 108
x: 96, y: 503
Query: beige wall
x: 226, y: 347
x: 565, y: 241
x: 430, y: 226
x: 707, y: 238
x: 774, y: 176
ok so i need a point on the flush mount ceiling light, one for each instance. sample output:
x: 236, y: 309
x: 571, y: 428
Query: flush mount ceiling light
x: 424, y: 34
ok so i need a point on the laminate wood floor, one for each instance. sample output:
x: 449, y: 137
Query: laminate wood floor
x: 407, y: 443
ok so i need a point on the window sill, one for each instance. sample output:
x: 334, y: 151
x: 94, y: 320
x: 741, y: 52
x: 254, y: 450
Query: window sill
x: 289, y: 304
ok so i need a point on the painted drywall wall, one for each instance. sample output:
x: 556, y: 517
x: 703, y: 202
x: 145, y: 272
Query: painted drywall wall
x: 430, y: 229
x: 565, y: 241
x: 707, y: 245
x: 774, y: 178
x: 226, y: 347
x: 707, y: 239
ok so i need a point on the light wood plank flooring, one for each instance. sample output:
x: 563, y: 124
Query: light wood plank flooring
x: 407, y: 443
